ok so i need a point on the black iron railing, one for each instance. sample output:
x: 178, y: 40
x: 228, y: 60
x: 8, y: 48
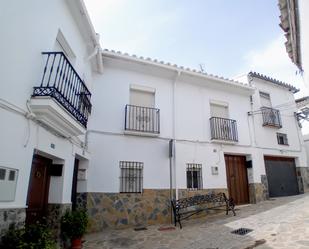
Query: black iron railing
x: 271, y: 117
x: 223, y: 129
x: 142, y: 119
x: 61, y: 82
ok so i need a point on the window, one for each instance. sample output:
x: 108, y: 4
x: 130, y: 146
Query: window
x: 220, y: 111
x: 194, y: 176
x: 142, y: 96
x: 2, y: 174
x: 265, y: 99
x: 12, y: 175
x: 282, y: 139
x: 131, y: 177
x: 62, y: 45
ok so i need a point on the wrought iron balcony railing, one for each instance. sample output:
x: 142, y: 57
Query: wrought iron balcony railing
x: 271, y: 117
x: 142, y: 119
x: 223, y: 129
x: 61, y: 82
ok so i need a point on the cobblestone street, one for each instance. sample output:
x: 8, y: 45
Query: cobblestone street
x: 277, y: 223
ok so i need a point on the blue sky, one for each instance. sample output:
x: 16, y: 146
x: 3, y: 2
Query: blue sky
x: 228, y: 37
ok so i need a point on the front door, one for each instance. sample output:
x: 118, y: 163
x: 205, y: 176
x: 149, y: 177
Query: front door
x: 74, y: 185
x: 38, y: 189
x: 237, y: 180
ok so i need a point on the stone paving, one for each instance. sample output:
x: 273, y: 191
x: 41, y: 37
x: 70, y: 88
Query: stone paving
x: 277, y: 223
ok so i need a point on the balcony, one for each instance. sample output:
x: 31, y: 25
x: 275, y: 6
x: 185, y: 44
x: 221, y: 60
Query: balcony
x: 62, y: 100
x: 223, y: 130
x: 141, y: 120
x: 271, y: 117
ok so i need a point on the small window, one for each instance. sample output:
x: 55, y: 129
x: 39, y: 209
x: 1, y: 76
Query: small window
x: 12, y: 175
x: 131, y: 177
x: 282, y: 139
x: 265, y: 99
x: 141, y: 97
x: 194, y: 176
x: 2, y: 174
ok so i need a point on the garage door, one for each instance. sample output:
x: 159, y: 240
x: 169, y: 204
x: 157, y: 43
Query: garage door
x: 281, y: 176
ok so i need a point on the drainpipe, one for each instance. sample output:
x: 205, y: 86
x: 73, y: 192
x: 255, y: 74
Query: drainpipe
x: 173, y: 159
x: 97, y: 51
x: 252, y: 136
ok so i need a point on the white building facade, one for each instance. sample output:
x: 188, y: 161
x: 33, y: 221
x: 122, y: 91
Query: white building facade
x: 159, y: 131
x: 49, y: 56
x: 126, y: 142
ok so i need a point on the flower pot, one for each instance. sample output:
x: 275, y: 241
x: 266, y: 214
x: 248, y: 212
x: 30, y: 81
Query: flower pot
x: 76, y: 243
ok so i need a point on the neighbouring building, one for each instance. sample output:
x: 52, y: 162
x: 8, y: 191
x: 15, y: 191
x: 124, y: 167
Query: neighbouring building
x: 159, y: 131
x: 49, y: 56
x: 295, y: 23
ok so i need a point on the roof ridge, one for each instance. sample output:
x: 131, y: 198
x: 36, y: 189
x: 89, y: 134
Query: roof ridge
x: 188, y: 69
x: 273, y: 80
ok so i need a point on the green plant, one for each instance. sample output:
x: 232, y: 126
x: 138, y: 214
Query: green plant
x: 36, y: 236
x: 13, y: 238
x: 74, y: 224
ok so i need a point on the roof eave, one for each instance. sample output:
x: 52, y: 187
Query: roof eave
x: 176, y: 68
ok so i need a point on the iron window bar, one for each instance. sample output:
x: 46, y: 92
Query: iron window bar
x: 142, y: 119
x: 223, y: 129
x: 61, y: 82
x: 131, y: 177
x: 271, y: 117
x: 194, y: 176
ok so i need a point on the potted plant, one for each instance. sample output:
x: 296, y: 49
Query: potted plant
x: 73, y: 226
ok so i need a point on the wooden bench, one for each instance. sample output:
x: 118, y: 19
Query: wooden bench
x: 186, y: 207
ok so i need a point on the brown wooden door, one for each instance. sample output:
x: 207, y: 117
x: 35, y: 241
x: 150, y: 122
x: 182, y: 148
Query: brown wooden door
x: 237, y: 179
x: 74, y: 185
x: 38, y: 189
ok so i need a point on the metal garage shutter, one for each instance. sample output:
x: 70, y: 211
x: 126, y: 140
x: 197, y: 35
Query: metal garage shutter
x: 281, y: 176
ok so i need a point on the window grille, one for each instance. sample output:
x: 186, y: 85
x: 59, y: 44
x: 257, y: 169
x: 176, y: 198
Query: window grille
x: 282, y: 139
x: 131, y: 177
x: 194, y: 176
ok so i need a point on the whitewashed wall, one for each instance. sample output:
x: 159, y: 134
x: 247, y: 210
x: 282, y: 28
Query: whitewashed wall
x: 193, y: 95
x: 29, y: 28
x: 109, y: 145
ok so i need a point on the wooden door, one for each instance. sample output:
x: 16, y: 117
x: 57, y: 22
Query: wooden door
x: 237, y: 179
x: 74, y: 185
x: 38, y: 189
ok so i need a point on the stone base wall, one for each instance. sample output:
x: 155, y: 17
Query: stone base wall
x: 54, y: 214
x: 119, y: 210
x: 303, y: 179
x: 12, y: 217
x: 259, y: 191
